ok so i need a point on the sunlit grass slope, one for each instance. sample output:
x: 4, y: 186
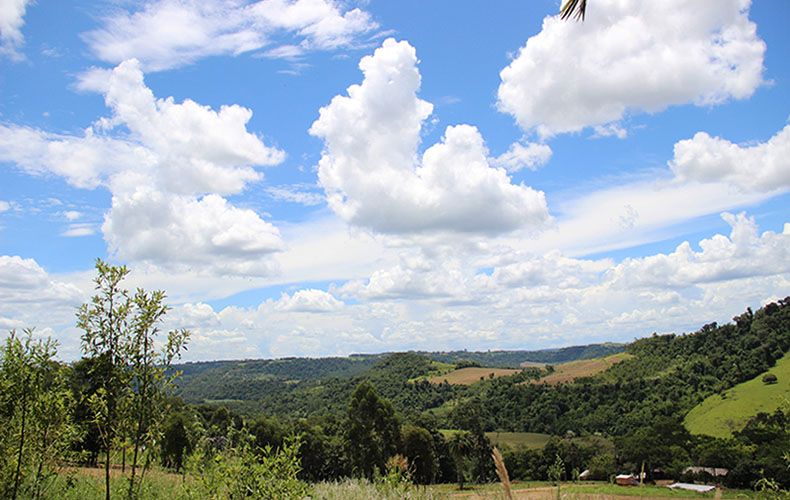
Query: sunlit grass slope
x: 471, y: 375
x: 720, y: 415
x: 568, y: 372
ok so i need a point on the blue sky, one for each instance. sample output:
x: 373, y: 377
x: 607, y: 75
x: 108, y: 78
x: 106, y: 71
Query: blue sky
x: 319, y: 177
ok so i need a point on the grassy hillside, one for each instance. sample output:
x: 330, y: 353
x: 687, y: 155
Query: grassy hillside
x: 568, y: 372
x: 721, y: 414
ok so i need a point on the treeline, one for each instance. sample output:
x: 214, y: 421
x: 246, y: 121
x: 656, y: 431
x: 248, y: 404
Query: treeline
x: 212, y: 378
x: 666, y: 377
x: 514, y: 359
x: 666, y: 450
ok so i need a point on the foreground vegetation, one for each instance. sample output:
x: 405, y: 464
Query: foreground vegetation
x: 107, y: 426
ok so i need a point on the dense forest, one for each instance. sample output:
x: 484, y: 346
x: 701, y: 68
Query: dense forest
x: 287, y: 423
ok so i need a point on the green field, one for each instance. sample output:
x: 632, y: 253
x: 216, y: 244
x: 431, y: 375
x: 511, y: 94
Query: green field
x: 516, y: 440
x: 720, y: 415
x: 513, y: 440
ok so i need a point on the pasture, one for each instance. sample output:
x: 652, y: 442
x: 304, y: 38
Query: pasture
x: 568, y: 372
x: 721, y: 414
x: 469, y: 376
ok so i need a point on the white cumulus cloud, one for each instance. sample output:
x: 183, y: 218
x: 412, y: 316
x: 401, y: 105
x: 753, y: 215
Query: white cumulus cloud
x: 744, y: 254
x: 32, y: 297
x: 632, y: 56
x: 762, y: 167
x: 165, y: 34
x: 309, y: 300
x: 167, y: 166
x: 520, y: 156
x: 374, y: 178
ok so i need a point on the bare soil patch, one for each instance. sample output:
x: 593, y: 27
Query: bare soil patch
x: 469, y: 376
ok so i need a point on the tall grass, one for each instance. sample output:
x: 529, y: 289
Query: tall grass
x: 357, y: 489
x: 501, y: 472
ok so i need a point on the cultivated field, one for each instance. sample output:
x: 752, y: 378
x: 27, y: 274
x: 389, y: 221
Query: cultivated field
x: 568, y: 372
x: 468, y: 376
x: 721, y: 414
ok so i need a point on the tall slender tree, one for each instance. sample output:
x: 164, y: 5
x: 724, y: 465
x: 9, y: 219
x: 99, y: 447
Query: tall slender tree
x: 34, y: 414
x: 121, y: 329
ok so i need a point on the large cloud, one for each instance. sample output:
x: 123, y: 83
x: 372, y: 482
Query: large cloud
x: 763, y: 167
x: 374, y: 177
x: 632, y: 56
x: 29, y: 296
x: 166, y: 165
x: 168, y: 33
x: 12, y: 17
x: 744, y: 254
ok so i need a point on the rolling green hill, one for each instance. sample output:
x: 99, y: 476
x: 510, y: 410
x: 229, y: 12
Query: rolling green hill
x: 659, y: 377
x: 721, y: 414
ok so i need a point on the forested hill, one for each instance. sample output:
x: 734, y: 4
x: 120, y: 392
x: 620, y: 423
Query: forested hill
x: 664, y: 377
x: 217, y: 379
x: 514, y: 359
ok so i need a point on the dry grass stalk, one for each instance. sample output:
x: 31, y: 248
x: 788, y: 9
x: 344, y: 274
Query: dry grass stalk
x: 501, y: 471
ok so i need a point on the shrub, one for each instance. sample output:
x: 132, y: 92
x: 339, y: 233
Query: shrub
x: 769, y: 378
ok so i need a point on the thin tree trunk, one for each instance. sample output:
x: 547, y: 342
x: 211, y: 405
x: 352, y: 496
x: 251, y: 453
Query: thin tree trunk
x: 19, y: 456
x: 21, y: 446
x: 40, y: 466
x: 141, y: 414
x: 107, y: 473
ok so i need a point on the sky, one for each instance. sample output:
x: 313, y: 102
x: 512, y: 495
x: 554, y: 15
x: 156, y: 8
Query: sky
x: 326, y: 177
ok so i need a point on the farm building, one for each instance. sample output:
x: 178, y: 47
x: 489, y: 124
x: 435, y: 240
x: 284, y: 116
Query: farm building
x: 627, y: 480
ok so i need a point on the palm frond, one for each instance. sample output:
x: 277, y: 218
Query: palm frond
x: 575, y: 8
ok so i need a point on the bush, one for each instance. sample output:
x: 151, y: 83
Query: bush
x: 243, y: 474
x: 769, y: 378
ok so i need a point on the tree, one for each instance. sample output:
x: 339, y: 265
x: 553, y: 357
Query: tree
x: 373, y: 431
x: 769, y: 378
x: 417, y: 447
x: 175, y: 443
x: 120, y: 329
x: 34, y: 414
x: 85, y: 377
x: 267, y: 433
x: 150, y: 369
x: 460, y: 445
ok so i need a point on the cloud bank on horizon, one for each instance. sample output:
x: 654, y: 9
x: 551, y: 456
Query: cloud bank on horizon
x: 303, y: 181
